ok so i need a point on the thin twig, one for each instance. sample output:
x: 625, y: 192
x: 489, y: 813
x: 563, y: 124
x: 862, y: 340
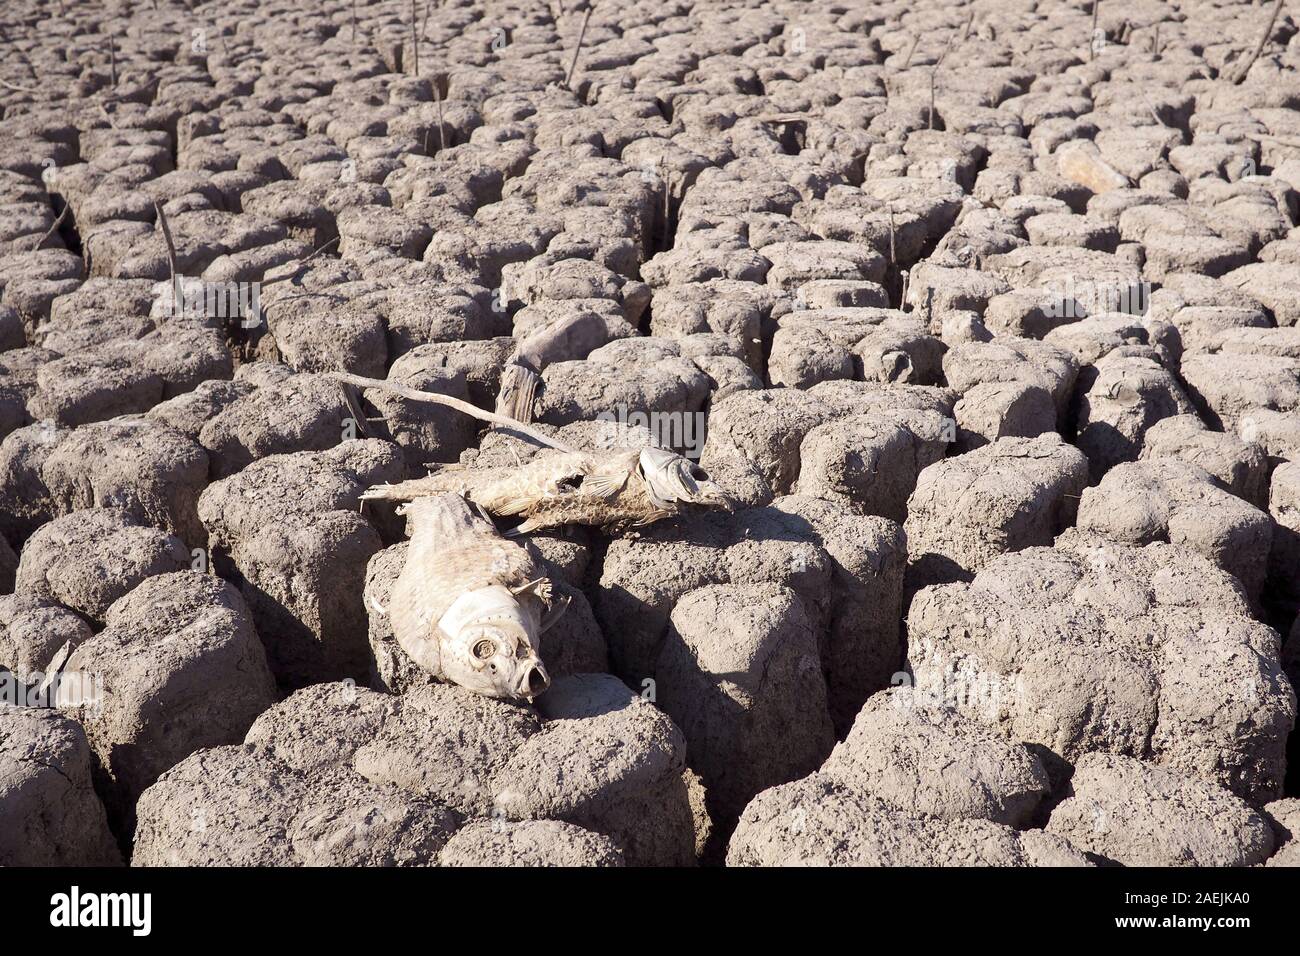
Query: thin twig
x: 1092, y: 37
x: 49, y: 232
x: 930, y: 119
x: 14, y: 86
x: 442, y: 134
x: 582, y: 34
x: 298, y: 269
x: 415, y: 41
x: 970, y: 22
x: 910, y: 51
x: 177, y: 296
x: 112, y: 60
x: 1259, y: 47
x: 464, y: 407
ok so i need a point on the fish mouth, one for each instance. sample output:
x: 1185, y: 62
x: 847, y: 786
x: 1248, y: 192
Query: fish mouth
x: 533, y: 682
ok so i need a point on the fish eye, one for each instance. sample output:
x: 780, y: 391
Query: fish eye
x: 484, y: 649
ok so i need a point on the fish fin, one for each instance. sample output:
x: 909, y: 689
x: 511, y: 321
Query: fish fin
x: 553, y: 614
x: 513, y: 506
x: 605, y: 486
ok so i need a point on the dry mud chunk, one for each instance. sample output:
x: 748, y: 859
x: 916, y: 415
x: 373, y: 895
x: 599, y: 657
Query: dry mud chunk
x: 188, y: 413
x: 236, y: 806
x: 993, y: 410
x: 869, y: 462
x: 817, y: 821
x: 435, y: 312
x: 528, y: 843
x: 739, y: 673
x: 738, y: 310
x: 1009, y: 360
x: 1092, y: 339
x: 88, y: 559
x: 1239, y: 466
x: 1127, y: 397
x: 935, y: 290
x: 91, y: 386
x: 33, y: 630
x: 1229, y: 388
x: 322, y: 726
x: 928, y: 760
x: 818, y: 345
x: 1284, y: 507
x: 144, y: 467
x: 1201, y: 308
x: 1273, y: 284
x: 368, y: 228
x: 316, y: 333
x: 52, y: 816
x: 847, y: 574
x: 25, y: 499
x: 755, y: 437
x: 1012, y: 494
x: 1136, y: 814
x: 447, y: 744
x: 177, y: 668
x: 687, y: 265
x: 567, y: 330
x: 796, y: 263
x: 1024, y: 313
x: 290, y: 525
x: 293, y: 413
x: 1175, y: 501
x: 1076, y: 278
x: 621, y: 378
x: 574, y: 279
x: 608, y: 760
x: 1094, y: 646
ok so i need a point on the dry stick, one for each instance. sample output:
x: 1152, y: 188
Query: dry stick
x: 49, y: 232
x: 14, y: 86
x: 582, y: 34
x: 415, y: 41
x: 1280, y: 140
x: 442, y: 135
x: 930, y: 118
x: 1259, y: 47
x: 970, y: 22
x: 1155, y: 42
x: 112, y: 60
x: 298, y: 270
x: 911, y: 51
x: 1092, y: 37
x: 177, y: 297
x: 464, y: 407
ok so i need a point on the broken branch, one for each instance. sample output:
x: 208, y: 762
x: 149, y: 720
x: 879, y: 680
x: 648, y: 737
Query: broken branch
x: 465, y: 408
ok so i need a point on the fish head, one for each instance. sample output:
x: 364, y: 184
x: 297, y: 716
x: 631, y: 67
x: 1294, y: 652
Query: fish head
x: 490, y: 645
x: 673, y: 479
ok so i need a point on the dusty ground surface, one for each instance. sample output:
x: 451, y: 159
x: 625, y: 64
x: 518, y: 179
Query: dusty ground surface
x: 985, y: 315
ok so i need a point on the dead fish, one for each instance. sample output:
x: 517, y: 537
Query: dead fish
x: 470, y: 606
x: 613, y: 491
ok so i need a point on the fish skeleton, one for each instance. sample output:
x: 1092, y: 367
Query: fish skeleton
x: 614, y: 491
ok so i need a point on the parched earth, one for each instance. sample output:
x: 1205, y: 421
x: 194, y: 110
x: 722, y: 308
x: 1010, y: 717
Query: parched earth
x: 984, y: 314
